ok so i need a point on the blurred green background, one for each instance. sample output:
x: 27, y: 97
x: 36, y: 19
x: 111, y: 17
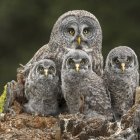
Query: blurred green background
x: 25, y: 25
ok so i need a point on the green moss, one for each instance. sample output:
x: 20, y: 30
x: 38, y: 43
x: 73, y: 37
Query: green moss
x: 2, y: 99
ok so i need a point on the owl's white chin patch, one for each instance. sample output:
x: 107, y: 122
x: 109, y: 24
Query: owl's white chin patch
x: 48, y: 77
x: 88, y: 50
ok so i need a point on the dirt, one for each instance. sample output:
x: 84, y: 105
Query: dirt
x: 22, y: 126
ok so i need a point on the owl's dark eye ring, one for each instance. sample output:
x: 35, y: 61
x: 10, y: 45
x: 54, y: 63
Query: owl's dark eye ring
x: 40, y: 69
x: 84, y: 61
x: 86, y: 31
x: 70, y: 61
x: 116, y: 60
x: 51, y: 68
x: 71, y: 31
x: 128, y: 59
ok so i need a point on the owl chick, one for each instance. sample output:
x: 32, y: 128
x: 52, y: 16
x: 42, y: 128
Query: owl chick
x: 40, y: 88
x: 82, y: 88
x: 121, y: 77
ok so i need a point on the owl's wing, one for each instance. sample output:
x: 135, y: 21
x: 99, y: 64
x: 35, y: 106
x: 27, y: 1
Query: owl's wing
x: 38, y: 55
x: 135, y: 84
x: 30, y: 87
x: 27, y: 69
x: 24, y: 69
x: 137, y: 77
x: 97, y: 59
x: 48, y: 52
x: 45, y: 52
x: 99, y: 100
x: 105, y: 82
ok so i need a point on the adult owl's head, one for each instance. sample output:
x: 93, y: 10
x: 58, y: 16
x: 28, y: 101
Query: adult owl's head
x: 77, y: 61
x: 77, y: 28
x: 122, y: 59
x: 43, y: 69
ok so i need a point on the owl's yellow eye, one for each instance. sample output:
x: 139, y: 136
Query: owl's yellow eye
x: 71, y: 31
x: 128, y: 59
x: 117, y: 61
x: 86, y: 31
x: 82, y: 62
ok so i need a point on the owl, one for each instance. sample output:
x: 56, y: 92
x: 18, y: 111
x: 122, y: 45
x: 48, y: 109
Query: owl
x: 83, y: 89
x: 40, y: 88
x: 121, y: 77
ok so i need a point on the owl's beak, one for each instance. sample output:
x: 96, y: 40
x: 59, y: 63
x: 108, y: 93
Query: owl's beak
x: 79, y: 40
x: 122, y: 67
x: 46, y: 72
x: 77, y: 67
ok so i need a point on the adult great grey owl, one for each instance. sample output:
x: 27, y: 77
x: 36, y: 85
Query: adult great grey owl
x: 77, y: 29
x: 82, y: 88
x: 122, y: 77
x: 40, y: 88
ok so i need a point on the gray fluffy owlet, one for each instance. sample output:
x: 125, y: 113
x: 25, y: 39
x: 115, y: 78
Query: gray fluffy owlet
x: 77, y: 29
x: 122, y: 78
x: 82, y: 88
x: 40, y: 88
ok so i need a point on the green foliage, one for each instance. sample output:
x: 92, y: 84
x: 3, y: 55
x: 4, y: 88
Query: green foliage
x: 3, y: 99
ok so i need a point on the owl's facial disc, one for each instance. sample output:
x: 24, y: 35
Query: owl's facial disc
x: 46, y: 71
x: 77, y: 64
x: 122, y: 64
x: 79, y: 31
